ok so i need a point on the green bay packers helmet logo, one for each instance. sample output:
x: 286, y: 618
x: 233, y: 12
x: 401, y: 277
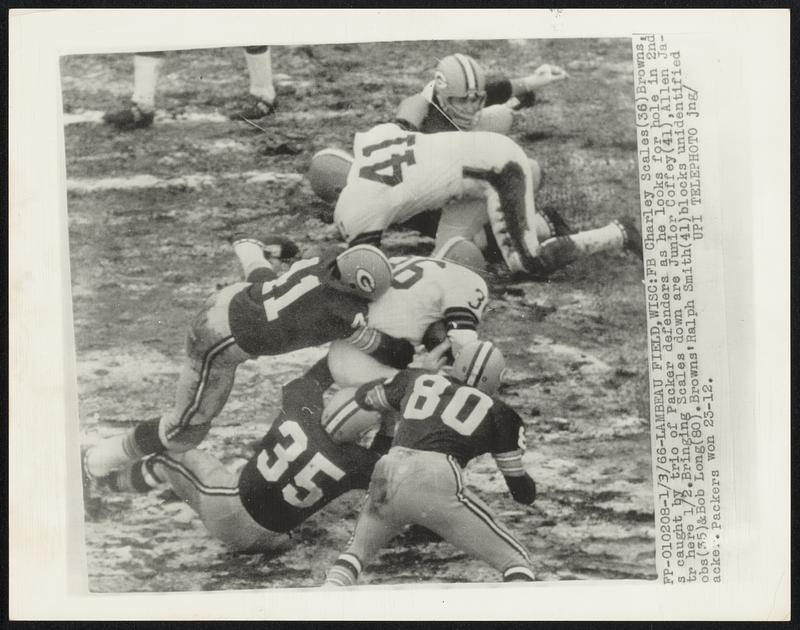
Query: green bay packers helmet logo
x: 365, y: 270
x: 365, y: 281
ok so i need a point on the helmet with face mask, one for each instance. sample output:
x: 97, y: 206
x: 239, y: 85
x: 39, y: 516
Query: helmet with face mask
x: 459, y: 89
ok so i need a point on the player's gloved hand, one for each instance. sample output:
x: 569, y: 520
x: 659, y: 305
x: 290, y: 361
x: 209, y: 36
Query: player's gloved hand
x: 434, y: 360
x: 544, y: 75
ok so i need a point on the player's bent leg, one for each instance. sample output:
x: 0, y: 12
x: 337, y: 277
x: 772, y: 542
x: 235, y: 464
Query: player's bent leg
x: 203, y: 388
x: 207, y: 377
x: 461, y: 518
x: 375, y: 527
x: 211, y: 490
x: 558, y: 252
x: 511, y: 210
x: 497, y: 118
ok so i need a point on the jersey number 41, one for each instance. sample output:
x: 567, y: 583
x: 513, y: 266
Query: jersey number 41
x: 390, y: 170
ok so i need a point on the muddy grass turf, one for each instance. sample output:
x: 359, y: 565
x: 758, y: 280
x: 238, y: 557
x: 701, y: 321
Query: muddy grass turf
x: 143, y: 259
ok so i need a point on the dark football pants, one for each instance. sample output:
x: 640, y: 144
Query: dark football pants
x: 212, y: 491
x: 207, y: 375
x: 426, y: 488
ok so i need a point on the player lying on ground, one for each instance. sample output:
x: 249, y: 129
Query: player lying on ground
x: 446, y: 422
x: 462, y: 98
x: 317, y: 301
x: 484, y: 185
x: 296, y: 471
x: 147, y: 68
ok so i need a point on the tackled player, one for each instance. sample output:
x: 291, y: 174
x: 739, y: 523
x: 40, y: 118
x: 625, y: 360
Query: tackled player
x: 318, y: 300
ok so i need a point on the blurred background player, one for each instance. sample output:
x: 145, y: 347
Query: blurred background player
x: 147, y: 67
x: 318, y: 300
x: 446, y: 422
x: 295, y: 471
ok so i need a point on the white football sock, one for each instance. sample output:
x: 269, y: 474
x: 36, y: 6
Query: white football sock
x: 259, y: 66
x: 251, y: 256
x: 542, y: 227
x: 146, y: 69
x: 108, y: 456
x: 599, y: 240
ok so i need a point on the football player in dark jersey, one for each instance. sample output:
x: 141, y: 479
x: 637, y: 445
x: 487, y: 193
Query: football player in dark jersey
x: 318, y: 300
x: 445, y: 422
x: 296, y: 470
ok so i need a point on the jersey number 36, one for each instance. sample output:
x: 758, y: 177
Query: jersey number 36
x: 303, y: 480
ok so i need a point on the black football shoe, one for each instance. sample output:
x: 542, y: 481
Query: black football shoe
x: 131, y: 117
x: 272, y: 245
x: 254, y: 109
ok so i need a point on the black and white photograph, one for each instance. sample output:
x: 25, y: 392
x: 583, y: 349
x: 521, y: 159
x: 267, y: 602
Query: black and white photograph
x: 299, y: 273
x: 392, y: 314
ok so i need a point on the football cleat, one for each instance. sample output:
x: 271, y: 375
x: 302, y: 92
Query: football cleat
x: 462, y: 252
x: 480, y: 364
x: 632, y: 237
x: 254, y: 109
x: 272, y: 245
x: 131, y: 117
x: 328, y: 172
x: 365, y: 270
x: 459, y: 88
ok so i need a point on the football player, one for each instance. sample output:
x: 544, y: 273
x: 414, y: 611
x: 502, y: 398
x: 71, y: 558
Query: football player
x: 296, y: 470
x: 147, y: 67
x: 446, y: 422
x: 478, y: 179
x: 316, y: 301
x: 461, y: 98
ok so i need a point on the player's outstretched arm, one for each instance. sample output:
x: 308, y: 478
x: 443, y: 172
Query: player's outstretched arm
x: 543, y: 75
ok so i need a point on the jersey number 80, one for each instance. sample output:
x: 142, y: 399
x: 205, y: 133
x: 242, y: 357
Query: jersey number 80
x: 463, y: 412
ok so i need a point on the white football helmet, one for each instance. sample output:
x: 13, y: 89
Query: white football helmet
x: 462, y: 252
x: 459, y: 87
x: 365, y: 270
x: 480, y: 364
x: 328, y: 172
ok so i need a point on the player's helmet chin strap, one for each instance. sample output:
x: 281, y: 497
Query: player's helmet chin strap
x: 430, y: 95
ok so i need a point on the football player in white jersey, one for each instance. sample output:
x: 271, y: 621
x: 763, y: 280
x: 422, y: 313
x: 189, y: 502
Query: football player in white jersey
x: 476, y: 178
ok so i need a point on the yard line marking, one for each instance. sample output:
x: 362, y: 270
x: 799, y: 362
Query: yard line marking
x: 192, y: 181
x: 165, y: 118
